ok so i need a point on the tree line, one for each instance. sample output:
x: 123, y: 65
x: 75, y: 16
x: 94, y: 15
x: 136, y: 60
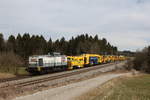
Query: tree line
x: 26, y: 45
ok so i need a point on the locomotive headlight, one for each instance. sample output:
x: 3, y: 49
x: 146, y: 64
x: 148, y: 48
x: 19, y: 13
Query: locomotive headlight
x: 39, y: 68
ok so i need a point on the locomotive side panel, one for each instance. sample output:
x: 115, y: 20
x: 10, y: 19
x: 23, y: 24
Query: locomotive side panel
x: 48, y: 61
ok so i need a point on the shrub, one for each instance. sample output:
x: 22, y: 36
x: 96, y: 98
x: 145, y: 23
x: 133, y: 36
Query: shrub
x: 142, y: 60
x: 10, y: 62
x: 129, y: 65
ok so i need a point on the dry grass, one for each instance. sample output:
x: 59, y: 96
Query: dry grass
x: 136, y: 87
x: 6, y: 75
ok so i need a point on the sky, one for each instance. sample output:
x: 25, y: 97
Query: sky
x: 124, y: 23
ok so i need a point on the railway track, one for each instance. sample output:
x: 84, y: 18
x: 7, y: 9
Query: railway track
x: 50, y: 78
x: 21, y: 77
x: 14, y: 78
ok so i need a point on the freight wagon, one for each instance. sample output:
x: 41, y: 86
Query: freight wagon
x: 47, y: 63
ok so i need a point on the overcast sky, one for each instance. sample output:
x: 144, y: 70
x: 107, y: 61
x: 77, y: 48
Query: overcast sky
x: 125, y: 23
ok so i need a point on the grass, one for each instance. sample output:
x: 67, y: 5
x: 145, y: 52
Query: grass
x: 22, y: 71
x: 131, y: 88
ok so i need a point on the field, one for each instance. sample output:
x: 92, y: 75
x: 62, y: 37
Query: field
x: 129, y: 88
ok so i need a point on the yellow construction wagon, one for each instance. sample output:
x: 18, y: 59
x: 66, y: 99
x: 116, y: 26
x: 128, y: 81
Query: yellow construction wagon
x: 92, y: 59
x: 75, y: 62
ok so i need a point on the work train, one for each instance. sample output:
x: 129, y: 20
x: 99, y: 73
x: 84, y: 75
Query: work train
x: 47, y: 63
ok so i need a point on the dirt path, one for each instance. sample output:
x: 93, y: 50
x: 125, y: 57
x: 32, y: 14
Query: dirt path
x: 71, y: 91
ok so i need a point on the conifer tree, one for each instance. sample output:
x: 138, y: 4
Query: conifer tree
x: 11, y: 44
x: 2, y: 44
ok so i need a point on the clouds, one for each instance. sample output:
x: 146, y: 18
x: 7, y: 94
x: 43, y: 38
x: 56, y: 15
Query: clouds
x: 124, y: 22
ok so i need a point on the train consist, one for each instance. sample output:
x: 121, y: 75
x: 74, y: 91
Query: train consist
x: 48, y: 63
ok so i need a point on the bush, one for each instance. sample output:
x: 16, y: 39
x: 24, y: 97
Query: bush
x: 142, y: 60
x: 129, y: 65
x: 9, y: 62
